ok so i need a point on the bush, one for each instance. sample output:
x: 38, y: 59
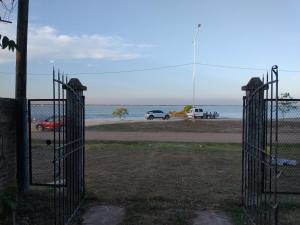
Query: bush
x: 7, y: 205
x: 120, y: 112
x: 187, y: 108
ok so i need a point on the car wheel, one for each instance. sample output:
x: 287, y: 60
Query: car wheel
x: 39, y: 128
x: 151, y: 117
x: 167, y: 117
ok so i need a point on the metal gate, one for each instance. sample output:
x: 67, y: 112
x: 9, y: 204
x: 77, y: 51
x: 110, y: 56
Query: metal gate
x: 260, y: 147
x: 57, y: 145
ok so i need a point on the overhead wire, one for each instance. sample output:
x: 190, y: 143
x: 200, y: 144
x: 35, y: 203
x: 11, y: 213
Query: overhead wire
x: 155, y: 68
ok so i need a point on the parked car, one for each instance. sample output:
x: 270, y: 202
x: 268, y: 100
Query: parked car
x: 49, y: 124
x: 195, y: 113
x: 154, y: 114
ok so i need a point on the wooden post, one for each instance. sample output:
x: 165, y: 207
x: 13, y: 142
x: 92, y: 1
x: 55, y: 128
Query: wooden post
x: 20, y: 94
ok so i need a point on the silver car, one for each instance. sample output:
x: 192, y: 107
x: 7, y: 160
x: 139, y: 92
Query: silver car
x: 150, y: 115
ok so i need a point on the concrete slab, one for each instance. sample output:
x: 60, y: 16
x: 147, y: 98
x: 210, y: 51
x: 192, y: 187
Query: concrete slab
x: 104, y: 215
x: 211, y: 217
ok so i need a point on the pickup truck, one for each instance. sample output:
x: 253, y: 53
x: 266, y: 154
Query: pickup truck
x: 195, y: 113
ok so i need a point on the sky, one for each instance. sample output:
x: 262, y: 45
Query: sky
x: 141, y: 51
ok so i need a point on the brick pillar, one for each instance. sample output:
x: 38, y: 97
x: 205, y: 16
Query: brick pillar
x: 8, y: 164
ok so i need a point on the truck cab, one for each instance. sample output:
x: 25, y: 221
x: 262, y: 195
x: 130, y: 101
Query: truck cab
x: 195, y: 113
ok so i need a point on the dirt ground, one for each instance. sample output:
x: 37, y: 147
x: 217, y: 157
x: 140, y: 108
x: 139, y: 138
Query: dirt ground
x: 210, y: 131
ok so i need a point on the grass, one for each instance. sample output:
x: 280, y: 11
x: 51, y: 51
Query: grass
x: 219, y: 126
x: 290, y: 213
x: 213, y: 126
x: 8, y: 197
x: 163, y: 183
x: 160, y: 182
x: 36, y: 207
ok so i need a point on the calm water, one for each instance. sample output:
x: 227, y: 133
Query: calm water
x: 137, y: 112
x: 40, y: 111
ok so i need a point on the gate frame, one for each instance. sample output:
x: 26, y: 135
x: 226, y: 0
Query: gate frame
x: 260, y: 146
x: 70, y: 147
x: 31, y: 183
x: 68, y: 183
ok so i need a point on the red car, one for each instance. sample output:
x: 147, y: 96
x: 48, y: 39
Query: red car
x: 49, y: 124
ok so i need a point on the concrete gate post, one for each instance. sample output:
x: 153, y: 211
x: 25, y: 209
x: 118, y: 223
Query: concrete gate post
x: 75, y: 135
x: 255, y: 139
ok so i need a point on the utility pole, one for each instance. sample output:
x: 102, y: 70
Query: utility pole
x: 21, y: 97
x: 194, y: 63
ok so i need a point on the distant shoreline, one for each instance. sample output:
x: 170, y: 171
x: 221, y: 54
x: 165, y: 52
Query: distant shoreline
x: 95, y: 122
x: 159, y: 105
x: 42, y: 111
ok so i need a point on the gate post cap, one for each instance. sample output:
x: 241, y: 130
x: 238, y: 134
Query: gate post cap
x: 76, y: 84
x: 253, y: 84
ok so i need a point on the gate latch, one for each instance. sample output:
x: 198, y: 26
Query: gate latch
x: 48, y: 142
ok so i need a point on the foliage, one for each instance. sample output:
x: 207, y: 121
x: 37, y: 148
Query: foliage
x: 120, y: 112
x: 35, y: 207
x: 5, y: 42
x: 187, y: 108
x: 285, y: 105
x: 181, y: 114
x: 7, y: 205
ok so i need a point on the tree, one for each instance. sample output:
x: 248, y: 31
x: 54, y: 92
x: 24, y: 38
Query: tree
x: 120, y: 112
x: 285, y: 104
x: 187, y: 108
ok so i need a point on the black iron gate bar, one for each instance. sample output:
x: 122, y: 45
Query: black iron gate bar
x: 68, y: 150
x: 259, y: 175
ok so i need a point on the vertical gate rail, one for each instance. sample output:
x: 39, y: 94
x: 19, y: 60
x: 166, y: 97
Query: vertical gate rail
x: 68, y: 147
x: 259, y: 155
x: 40, y: 139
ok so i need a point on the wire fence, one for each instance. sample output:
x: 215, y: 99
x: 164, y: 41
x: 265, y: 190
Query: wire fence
x: 288, y: 161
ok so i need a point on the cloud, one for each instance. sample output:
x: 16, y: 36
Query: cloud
x: 45, y: 42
